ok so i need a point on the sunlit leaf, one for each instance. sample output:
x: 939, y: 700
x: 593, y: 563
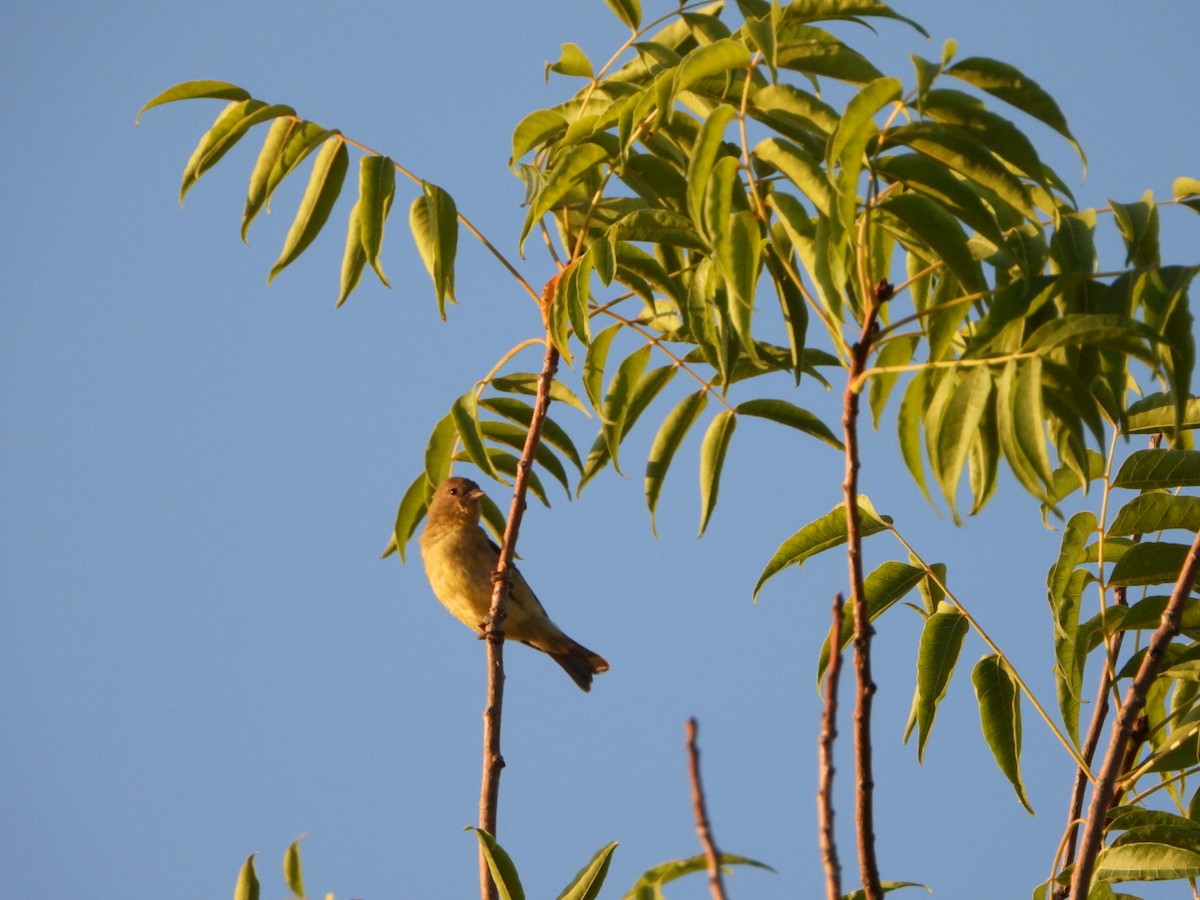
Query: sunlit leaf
x: 1150, y: 470
x: 1157, y: 563
x: 247, y: 882
x: 703, y: 157
x: 651, y: 881
x: 539, y: 127
x: 884, y: 588
x: 822, y: 534
x: 1016, y: 89
x: 572, y: 61
x: 1138, y: 223
x: 800, y: 167
x: 522, y: 413
x: 587, y: 882
x: 937, y: 654
x: 324, y: 185
x: 433, y: 220
x: 354, y: 259
x: 192, y: 90
x: 1148, y: 861
x: 666, y: 442
x: 230, y: 126
x: 615, y: 408
x: 465, y: 413
x: 439, y: 450
x: 712, y: 460
x: 1000, y: 717
x: 292, y: 872
x: 1156, y: 412
x: 789, y: 414
x: 288, y: 143
x: 376, y: 190
x: 513, y: 436
x: 500, y: 864
x: 412, y: 509
x: 940, y: 231
x: 576, y: 163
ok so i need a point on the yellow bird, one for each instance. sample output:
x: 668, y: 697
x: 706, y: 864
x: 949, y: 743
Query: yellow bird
x: 459, y: 561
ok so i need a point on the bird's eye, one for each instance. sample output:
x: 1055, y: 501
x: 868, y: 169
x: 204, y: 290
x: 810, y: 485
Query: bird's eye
x: 453, y: 492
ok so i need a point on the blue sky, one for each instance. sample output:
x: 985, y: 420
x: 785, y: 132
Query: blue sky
x: 204, y: 656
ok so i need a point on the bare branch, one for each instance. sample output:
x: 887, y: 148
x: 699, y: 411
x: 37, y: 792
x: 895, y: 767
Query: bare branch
x: 1126, y: 721
x: 865, y: 783
x: 829, y: 855
x: 493, y: 626
x: 715, y: 882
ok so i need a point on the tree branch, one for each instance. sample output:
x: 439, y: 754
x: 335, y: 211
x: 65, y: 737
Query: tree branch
x: 1125, y: 722
x: 716, y: 883
x: 865, y: 783
x: 493, y: 626
x: 829, y: 856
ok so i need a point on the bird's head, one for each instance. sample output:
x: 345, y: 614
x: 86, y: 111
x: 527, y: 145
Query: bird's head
x: 456, y: 500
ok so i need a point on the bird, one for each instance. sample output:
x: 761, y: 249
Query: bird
x: 459, y: 560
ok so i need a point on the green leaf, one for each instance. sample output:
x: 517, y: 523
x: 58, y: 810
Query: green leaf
x: 1152, y: 470
x: 847, y: 146
x: 793, y: 416
x: 465, y: 413
x: 247, y: 882
x: 941, y: 641
x: 712, y: 459
x: 883, y: 588
x: 500, y: 864
x: 1156, y: 412
x: 739, y: 257
x: 957, y: 428
x: 704, y: 155
x: 587, y: 882
x: 324, y: 185
x: 716, y: 58
x: 959, y: 152
x: 1148, y: 513
x: 192, y: 90
x: 1138, y: 223
x: 822, y: 534
x: 908, y: 426
x: 813, y: 51
x: 540, y: 127
x: 615, y: 408
x: 411, y: 511
x: 817, y: 10
x: 1066, y: 582
x: 941, y: 233
x: 930, y: 178
x: 1016, y: 89
x: 628, y: 11
x: 666, y: 442
x: 651, y: 881
x: 439, y: 450
x: 594, y: 363
x: 376, y: 190
x: 888, y: 887
x: 1187, y: 192
x: 1157, y: 563
x: 354, y: 259
x: 1000, y: 717
x: 504, y: 433
x: 522, y: 413
x: 1147, y: 861
x: 568, y: 170
x: 573, y: 61
x: 801, y: 168
x: 433, y: 220
x: 287, y: 144
x: 230, y: 126
x: 526, y: 383
x: 292, y: 873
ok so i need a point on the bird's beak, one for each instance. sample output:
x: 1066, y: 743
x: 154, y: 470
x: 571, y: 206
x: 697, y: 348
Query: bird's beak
x: 476, y: 494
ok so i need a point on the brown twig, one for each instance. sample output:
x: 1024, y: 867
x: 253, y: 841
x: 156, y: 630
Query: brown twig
x: 829, y: 855
x: 1099, y: 716
x: 865, y: 783
x: 1125, y: 723
x: 699, y: 809
x: 493, y: 626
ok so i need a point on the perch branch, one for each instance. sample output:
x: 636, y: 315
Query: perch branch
x: 829, y: 856
x: 700, y: 810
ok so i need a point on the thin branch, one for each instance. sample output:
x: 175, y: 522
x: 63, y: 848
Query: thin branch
x: 493, y: 626
x: 1125, y: 722
x: 865, y: 782
x: 829, y: 855
x: 715, y: 882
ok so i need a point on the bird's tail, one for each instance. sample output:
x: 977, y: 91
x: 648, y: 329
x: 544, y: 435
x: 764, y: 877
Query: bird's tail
x: 580, y: 663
